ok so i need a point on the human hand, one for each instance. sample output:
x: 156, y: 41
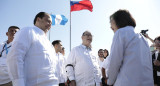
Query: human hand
x: 157, y: 63
x: 73, y: 83
x: 146, y: 35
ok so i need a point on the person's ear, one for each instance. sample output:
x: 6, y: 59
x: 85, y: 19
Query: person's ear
x: 38, y: 19
x: 7, y: 33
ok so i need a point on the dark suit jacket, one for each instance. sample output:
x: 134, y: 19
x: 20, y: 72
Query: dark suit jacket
x: 155, y: 68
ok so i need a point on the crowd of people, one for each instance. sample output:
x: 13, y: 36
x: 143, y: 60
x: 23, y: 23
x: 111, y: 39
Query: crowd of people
x: 28, y: 58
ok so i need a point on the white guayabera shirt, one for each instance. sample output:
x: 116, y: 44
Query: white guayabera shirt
x: 4, y: 76
x: 130, y: 59
x: 85, y: 70
x: 61, y: 68
x: 32, y: 59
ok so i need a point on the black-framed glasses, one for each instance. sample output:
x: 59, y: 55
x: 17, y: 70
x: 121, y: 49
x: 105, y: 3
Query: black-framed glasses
x: 87, y: 35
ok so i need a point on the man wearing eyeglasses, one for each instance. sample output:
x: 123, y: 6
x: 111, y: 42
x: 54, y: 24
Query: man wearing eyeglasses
x: 82, y: 64
x: 4, y: 49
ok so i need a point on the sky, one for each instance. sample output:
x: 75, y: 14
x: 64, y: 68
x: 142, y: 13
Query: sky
x: 21, y: 13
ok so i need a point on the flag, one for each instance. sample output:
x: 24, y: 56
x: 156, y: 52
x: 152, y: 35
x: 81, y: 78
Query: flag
x: 59, y: 19
x: 80, y: 5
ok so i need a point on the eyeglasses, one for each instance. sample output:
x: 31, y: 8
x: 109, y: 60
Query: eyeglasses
x: 87, y: 35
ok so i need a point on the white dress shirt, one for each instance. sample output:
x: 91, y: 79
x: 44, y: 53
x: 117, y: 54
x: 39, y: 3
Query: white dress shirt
x: 32, y: 60
x: 130, y: 59
x: 106, y: 64
x: 100, y: 63
x: 61, y: 68
x: 85, y: 70
x: 4, y: 76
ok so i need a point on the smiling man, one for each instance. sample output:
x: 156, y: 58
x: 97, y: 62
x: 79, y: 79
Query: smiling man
x: 32, y: 60
x: 82, y: 65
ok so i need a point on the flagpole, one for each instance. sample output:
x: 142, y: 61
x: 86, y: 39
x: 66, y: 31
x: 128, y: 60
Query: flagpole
x: 49, y: 34
x: 70, y: 25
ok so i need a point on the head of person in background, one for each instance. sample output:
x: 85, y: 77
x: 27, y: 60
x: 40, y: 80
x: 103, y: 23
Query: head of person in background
x: 11, y: 33
x: 105, y: 53
x: 121, y: 18
x: 57, y: 45
x: 44, y: 21
x: 157, y: 42
x: 87, y: 39
x: 100, y: 53
x: 63, y: 51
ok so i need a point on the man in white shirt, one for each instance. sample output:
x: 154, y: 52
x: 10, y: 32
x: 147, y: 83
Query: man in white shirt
x: 32, y: 60
x: 101, y: 57
x: 130, y: 58
x: 61, y: 62
x: 82, y: 64
x: 4, y: 49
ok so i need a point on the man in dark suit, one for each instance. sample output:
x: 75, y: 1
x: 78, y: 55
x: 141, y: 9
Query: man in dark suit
x: 156, y: 62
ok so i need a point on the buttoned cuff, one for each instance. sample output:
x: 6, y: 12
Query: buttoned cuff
x: 18, y: 82
x: 71, y: 78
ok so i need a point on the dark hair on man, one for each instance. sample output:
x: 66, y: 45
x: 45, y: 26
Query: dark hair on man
x: 85, y: 32
x: 107, y: 51
x: 123, y: 18
x: 157, y: 38
x: 56, y: 42
x: 100, y: 50
x: 63, y: 48
x: 40, y: 15
x: 13, y: 27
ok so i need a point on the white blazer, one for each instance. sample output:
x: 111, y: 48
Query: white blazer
x: 130, y: 59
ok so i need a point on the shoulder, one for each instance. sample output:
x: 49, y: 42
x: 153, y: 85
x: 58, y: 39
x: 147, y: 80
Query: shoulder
x: 125, y: 34
x: 25, y: 30
x: 128, y: 30
x: 76, y: 48
x: 2, y: 44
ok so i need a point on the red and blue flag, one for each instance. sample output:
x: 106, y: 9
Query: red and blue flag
x: 81, y: 5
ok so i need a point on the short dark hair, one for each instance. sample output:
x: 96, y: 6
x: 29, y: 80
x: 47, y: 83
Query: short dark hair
x: 40, y: 15
x: 85, y: 32
x: 100, y: 50
x: 56, y: 42
x: 63, y: 48
x: 157, y: 38
x: 13, y: 27
x: 123, y: 18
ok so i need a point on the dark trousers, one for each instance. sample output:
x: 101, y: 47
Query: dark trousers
x: 158, y: 80
x: 61, y: 84
x: 7, y: 84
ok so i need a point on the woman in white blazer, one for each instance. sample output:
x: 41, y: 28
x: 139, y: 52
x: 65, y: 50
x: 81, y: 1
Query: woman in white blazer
x: 130, y: 58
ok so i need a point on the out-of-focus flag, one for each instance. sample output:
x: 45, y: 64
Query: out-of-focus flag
x: 80, y: 5
x: 59, y: 19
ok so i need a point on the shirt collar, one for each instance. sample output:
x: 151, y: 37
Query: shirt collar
x: 39, y: 30
x: 7, y: 44
x: 85, y: 47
